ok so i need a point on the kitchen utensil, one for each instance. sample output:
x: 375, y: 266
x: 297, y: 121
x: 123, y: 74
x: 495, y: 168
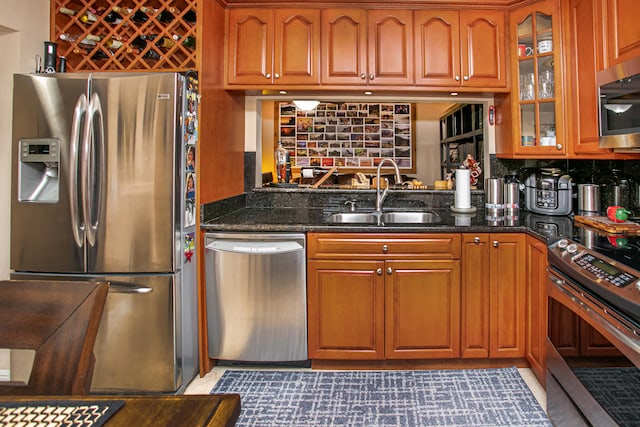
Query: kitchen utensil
x: 588, y: 198
x: 494, y: 189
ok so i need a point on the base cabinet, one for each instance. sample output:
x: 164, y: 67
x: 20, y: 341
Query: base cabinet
x: 401, y: 302
x: 493, y: 295
x: 536, y: 256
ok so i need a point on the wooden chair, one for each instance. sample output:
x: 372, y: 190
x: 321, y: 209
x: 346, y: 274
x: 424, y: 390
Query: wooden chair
x: 59, y: 320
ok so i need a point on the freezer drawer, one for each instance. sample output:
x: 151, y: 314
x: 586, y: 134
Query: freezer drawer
x: 256, y: 297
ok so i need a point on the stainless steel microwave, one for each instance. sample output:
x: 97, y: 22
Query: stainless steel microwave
x: 619, y: 99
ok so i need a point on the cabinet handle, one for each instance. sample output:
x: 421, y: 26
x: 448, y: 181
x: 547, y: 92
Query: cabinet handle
x: 385, y: 249
x: 363, y: 76
x: 389, y: 270
x: 371, y: 76
x: 379, y: 272
x: 476, y: 239
x: 495, y: 243
x: 268, y: 75
x: 559, y: 146
x: 465, y: 78
x: 457, y: 78
x: 276, y: 76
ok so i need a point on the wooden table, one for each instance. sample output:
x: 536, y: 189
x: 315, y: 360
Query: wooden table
x: 214, y: 410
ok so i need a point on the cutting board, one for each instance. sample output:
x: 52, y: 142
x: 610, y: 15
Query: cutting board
x: 605, y: 224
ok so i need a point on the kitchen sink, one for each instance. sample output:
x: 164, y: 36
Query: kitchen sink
x: 393, y: 217
x: 410, y: 217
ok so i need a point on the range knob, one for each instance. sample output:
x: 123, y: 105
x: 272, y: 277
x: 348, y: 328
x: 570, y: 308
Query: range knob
x: 562, y: 244
x: 572, y: 248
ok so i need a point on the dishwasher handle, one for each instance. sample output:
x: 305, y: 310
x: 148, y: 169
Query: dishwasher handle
x: 254, y: 247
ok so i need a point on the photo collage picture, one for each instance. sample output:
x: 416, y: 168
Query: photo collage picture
x: 352, y: 135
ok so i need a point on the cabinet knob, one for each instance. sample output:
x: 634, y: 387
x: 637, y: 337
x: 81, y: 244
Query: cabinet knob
x: 385, y: 249
x: 476, y: 239
x: 559, y: 146
x: 363, y: 76
x: 389, y: 270
x: 379, y: 272
x: 268, y: 75
x: 276, y: 76
x: 495, y: 243
x: 465, y: 78
x: 371, y: 76
x: 457, y: 78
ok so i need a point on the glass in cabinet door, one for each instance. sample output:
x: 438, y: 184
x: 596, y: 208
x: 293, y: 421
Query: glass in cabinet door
x: 536, y: 98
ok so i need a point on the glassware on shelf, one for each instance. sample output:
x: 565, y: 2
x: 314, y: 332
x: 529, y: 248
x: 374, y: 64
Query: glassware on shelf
x: 545, y: 83
x: 527, y: 87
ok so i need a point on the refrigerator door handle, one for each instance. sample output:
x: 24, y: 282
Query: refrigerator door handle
x: 92, y: 168
x: 79, y: 112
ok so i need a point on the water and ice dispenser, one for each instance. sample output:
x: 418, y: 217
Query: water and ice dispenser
x: 38, y: 179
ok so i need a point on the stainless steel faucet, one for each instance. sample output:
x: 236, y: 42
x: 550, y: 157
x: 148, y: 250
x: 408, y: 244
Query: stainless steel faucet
x: 380, y: 197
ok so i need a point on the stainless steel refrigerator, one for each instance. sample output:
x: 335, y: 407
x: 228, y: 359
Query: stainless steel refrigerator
x: 103, y: 188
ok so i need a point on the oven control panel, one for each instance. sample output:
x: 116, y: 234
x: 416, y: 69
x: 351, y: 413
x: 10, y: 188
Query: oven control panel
x: 604, y: 270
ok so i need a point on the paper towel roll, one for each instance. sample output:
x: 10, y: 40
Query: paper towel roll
x: 463, y: 189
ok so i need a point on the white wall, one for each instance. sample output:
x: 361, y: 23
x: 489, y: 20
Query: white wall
x: 24, y: 26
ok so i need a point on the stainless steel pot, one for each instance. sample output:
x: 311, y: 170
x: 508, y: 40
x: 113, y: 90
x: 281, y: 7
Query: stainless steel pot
x: 588, y: 198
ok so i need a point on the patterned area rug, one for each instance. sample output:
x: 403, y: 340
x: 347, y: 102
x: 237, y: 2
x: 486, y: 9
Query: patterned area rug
x: 478, y: 397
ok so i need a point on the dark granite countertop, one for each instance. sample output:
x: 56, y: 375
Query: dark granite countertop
x: 298, y: 219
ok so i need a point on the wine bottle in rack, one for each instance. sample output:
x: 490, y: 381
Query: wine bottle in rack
x: 165, y: 43
x: 167, y: 15
x: 87, y: 41
x: 122, y: 10
x: 189, y: 41
x: 140, y: 42
x: 151, y: 54
x: 86, y: 17
x: 112, y: 17
x: 142, y: 15
x: 99, y: 56
x: 189, y: 17
x: 112, y: 44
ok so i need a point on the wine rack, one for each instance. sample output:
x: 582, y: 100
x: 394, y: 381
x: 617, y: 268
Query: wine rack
x: 147, y: 34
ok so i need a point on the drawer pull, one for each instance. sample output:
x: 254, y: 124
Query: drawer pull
x: 476, y: 239
x: 389, y: 270
x: 495, y: 243
x: 379, y: 272
x: 385, y: 249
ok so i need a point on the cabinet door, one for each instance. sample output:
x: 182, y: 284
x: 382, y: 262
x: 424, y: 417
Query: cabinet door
x: 537, y: 103
x: 507, y: 306
x: 297, y: 46
x: 536, y: 306
x: 422, y: 305
x: 584, y: 58
x: 437, y: 45
x: 476, y: 281
x: 390, y: 47
x: 344, y: 46
x: 565, y: 329
x: 250, y: 46
x: 623, y: 32
x: 483, y: 49
x: 593, y: 344
x: 345, y: 309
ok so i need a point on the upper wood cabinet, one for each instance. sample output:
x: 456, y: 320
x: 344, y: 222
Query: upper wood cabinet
x: 464, y: 48
x: 531, y: 120
x: 623, y: 31
x: 267, y: 46
x: 361, y: 47
x: 583, y: 39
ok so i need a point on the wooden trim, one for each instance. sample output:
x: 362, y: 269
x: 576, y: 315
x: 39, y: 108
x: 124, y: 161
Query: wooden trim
x: 419, y: 364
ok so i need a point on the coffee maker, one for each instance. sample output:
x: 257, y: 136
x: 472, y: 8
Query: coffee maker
x: 549, y: 191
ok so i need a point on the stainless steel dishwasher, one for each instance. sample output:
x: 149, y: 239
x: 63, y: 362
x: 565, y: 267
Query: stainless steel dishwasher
x: 256, y: 296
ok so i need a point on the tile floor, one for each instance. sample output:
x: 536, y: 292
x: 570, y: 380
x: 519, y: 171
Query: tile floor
x: 205, y: 384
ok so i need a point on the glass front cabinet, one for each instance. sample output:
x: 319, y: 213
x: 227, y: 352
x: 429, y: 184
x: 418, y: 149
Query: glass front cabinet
x: 536, y: 97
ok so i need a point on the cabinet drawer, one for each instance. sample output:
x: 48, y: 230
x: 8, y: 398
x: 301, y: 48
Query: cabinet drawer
x: 383, y: 246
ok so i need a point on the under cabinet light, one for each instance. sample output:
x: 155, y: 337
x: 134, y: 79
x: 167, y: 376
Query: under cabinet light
x: 618, y: 108
x: 306, y: 105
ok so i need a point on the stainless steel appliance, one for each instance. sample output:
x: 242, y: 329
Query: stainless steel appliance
x: 593, y: 345
x: 256, y: 297
x: 549, y: 192
x: 619, y: 90
x: 102, y: 190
